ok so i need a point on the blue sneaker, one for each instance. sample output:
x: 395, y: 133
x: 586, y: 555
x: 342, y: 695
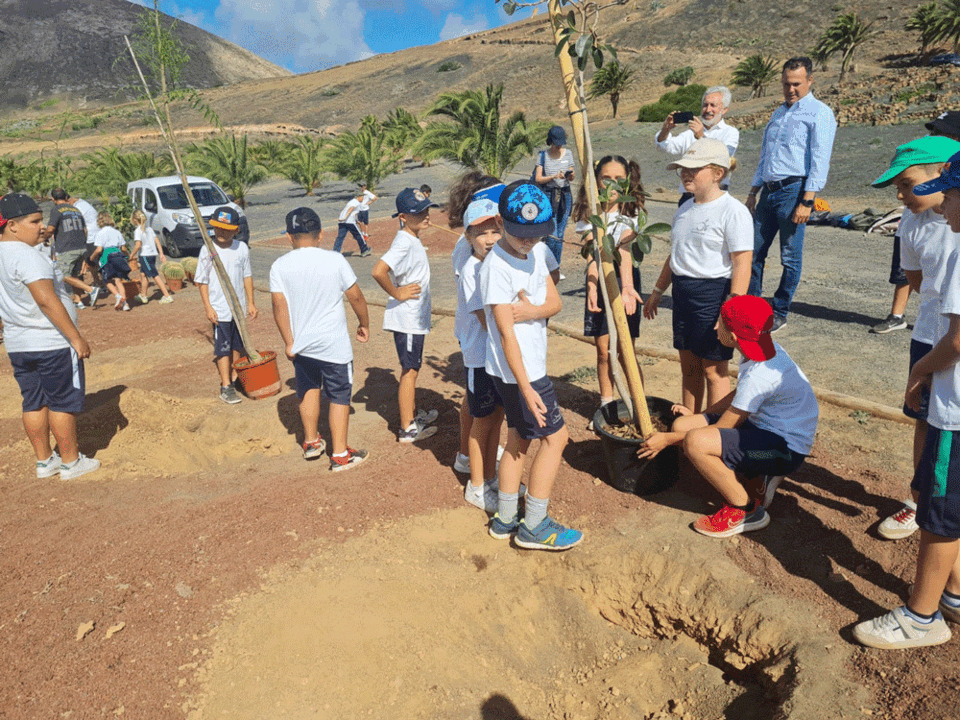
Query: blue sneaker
x: 548, y: 535
x: 503, y: 530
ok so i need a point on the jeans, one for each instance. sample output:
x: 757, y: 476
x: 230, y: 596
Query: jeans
x: 562, y: 204
x: 772, y: 215
x: 345, y: 228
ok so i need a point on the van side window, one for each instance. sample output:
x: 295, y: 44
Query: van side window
x: 149, y: 200
x: 138, y: 198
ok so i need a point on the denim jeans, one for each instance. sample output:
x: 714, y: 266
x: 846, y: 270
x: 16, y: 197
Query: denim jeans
x: 564, y: 205
x: 342, y: 231
x: 771, y: 216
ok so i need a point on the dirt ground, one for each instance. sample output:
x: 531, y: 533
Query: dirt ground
x: 224, y: 577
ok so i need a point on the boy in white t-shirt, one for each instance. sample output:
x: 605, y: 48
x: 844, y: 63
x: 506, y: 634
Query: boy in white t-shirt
x: 42, y: 341
x: 307, y: 286
x: 404, y: 274
x: 235, y: 256
x: 935, y: 595
x: 748, y: 441
x: 519, y: 294
x: 347, y: 223
x: 363, y: 212
x: 925, y: 243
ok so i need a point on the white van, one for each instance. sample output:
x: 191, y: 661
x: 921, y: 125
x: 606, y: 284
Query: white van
x: 165, y: 204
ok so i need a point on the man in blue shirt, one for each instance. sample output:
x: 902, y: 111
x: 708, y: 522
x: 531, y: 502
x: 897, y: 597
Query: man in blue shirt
x: 793, y: 167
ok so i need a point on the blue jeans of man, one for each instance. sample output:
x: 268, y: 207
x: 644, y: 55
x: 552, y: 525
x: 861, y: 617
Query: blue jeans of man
x: 773, y: 214
x: 563, y: 205
x: 343, y: 229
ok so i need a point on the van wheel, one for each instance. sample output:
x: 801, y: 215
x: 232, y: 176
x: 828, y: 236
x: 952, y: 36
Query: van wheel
x: 169, y: 246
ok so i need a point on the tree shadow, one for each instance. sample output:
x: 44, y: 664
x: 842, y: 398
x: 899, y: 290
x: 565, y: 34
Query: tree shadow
x: 100, y: 420
x: 818, y: 312
x: 499, y: 707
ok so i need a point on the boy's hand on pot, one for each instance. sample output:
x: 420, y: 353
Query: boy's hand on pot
x: 535, y: 403
x: 652, y: 446
x: 679, y: 410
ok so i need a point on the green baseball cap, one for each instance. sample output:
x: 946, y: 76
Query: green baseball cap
x: 922, y: 151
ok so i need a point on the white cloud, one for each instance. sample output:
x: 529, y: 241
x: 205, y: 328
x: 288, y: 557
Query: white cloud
x: 457, y: 25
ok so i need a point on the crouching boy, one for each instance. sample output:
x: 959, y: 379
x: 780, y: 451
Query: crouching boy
x: 747, y: 442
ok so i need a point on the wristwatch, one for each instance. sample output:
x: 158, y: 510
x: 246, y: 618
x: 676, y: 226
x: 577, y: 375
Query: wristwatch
x: 807, y: 203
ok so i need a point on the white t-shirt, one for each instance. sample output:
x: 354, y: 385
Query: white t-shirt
x: 617, y: 226
x: 236, y: 261
x: 704, y: 235
x: 368, y: 197
x: 461, y: 251
x: 925, y: 243
x: 779, y: 398
x: 349, y: 213
x: 25, y: 327
x: 408, y: 263
x: 678, y: 144
x: 147, y: 239
x: 502, y: 277
x: 944, y: 409
x: 89, y: 217
x: 313, y: 282
x: 109, y: 237
x: 469, y: 331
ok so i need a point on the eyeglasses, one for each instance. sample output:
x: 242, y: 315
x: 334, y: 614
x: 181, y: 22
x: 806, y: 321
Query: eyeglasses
x: 690, y: 172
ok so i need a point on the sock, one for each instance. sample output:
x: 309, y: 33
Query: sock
x: 343, y: 454
x: 475, y: 489
x: 948, y: 598
x: 746, y: 508
x: 535, y: 510
x: 606, y: 400
x: 898, y: 317
x: 507, y: 505
x: 923, y: 619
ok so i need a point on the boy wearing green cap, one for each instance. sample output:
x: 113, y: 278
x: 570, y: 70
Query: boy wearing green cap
x: 925, y: 242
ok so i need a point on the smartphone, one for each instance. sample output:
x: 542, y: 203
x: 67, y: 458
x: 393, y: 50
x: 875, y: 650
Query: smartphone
x: 682, y: 118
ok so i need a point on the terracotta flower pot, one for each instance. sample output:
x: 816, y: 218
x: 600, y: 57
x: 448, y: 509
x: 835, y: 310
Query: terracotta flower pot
x: 261, y: 379
x: 175, y: 284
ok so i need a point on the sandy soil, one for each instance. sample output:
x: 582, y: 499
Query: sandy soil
x: 226, y: 577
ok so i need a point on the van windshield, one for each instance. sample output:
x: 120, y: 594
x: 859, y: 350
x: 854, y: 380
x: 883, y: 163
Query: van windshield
x: 173, y: 197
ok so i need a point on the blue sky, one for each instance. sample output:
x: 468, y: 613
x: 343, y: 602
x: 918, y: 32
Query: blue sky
x: 305, y: 35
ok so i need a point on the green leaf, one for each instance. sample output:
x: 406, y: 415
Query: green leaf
x: 608, y: 248
x: 636, y: 254
x: 581, y: 46
x: 560, y: 46
x: 657, y: 229
x: 509, y: 8
x: 597, y: 58
x: 582, y: 62
x: 597, y: 222
x: 572, y: 19
x: 612, y: 50
x: 642, y: 243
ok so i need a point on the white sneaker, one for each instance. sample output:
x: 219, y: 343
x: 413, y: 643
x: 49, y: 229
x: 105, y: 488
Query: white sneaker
x: 901, y: 524
x: 50, y: 466
x: 426, y: 417
x: 418, y: 431
x: 94, y: 294
x: 484, y: 497
x: 897, y: 630
x: 462, y: 463
x: 166, y: 300
x: 562, y: 276
x: 81, y: 466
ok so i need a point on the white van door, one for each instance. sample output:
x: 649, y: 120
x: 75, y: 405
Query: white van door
x: 152, y: 210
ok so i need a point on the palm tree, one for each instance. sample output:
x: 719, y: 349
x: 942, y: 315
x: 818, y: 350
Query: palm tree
x: 226, y: 160
x: 612, y: 79
x: 755, y: 72
x: 949, y: 24
x: 364, y: 156
x: 108, y: 170
x: 844, y: 36
x: 925, y: 20
x: 272, y: 154
x: 476, y: 138
x: 304, y: 162
x: 402, y: 129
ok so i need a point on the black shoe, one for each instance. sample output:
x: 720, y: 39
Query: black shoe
x: 778, y: 322
x: 893, y: 322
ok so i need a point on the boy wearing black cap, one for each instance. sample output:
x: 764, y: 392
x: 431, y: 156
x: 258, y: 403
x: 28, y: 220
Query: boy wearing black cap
x: 404, y: 274
x: 235, y: 256
x: 42, y: 340
x: 518, y: 287
x: 307, y: 286
x: 747, y: 442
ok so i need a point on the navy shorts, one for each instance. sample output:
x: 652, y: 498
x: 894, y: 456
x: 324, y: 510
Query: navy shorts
x: 519, y: 417
x: 363, y: 216
x: 226, y: 339
x: 937, y: 482
x: 917, y: 351
x: 148, y: 266
x: 595, y: 323
x: 752, y: 451
x: 482, y: 395
x: 51, y: 378
x: 409, y: 350
x: 897, y: 275
x: 335, y: 379
x: 696, y: 307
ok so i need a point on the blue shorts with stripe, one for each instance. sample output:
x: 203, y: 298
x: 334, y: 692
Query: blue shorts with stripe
x: 519, y: 416
x: 335, y: 379
x: 226, y: 339
x: 937, y: 482
x: 482, y: 395
x: 52, y: 379
x: 409, y: 350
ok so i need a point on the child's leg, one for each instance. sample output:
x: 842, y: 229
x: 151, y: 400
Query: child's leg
x: 492, y: 449
x: 543, y: 473
x: 162, y: 284
x: 310, y: 415
x: 223, y: 367
x: 406, y: 396
x: 466, y: 427
x: 919, y: 438
x: 691, y: 372
x: 716, y: 373
x: 36, y: 423
x: 477, y: 442
x: 64, y: 427
x: 936, y: 565
x: 604, y: 371
x: 144, y: 283
x: 339, y: 419
x: 901, y: 294
x: 511, y: 464
x: 704, y: 448
x: 235, y: 356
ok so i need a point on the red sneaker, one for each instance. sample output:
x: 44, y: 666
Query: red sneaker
x: 732, y: 521
x: 353, y: 457
x: 314, y: 449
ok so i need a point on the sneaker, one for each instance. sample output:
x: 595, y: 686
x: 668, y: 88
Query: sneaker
x: 503, y: 530
x: 230, y: 395
x: 562, y: 276
x: 126, y: 307
x: 118, y: 302
x: 419, y: 431
x: 893, y: 322
x: 548, y: 535
x: 484, y: 497
x: 49, y: 467
x: 366, y: 252
x: 352, y: 458
x: 462, y: 463
x: 314, y: 448
x: 143, y: 298
x: 732, y: 521
x: 427, y: 417
x: 94, y: 294
x: 763, y: 488
x: 949, y: 612
x: 778, y: 322
x: 897, y: 630
x: 901, y: 524
x: 80, y: 305
x: 166, y: 300
x: 81, y: 466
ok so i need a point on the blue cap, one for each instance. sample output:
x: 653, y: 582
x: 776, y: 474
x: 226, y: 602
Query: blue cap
x: 412, y: 202
x: 526, y: 210
x: 478, y: 211
x: 557, y: 136
x: 490, y: 193
x: 949, y: 178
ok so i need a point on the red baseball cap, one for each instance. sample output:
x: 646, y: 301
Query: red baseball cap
x: 750, y: 318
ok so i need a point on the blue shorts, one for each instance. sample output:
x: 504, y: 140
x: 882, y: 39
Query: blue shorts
x: 917, y: 351
x: 363, y: 216
x: 482, y: 395
x: 51, y: 378
x: 519, y: 417
x: 696, y: 307
x: 595, y: 323
x: 752, y: 451
x: 226, y: 339
x: 336, y: 379
x: 937, y: 482
x: 148, y: 266
x: 409, y: 350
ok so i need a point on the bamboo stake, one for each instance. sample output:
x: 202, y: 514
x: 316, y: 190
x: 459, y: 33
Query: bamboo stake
x: 578, y: 119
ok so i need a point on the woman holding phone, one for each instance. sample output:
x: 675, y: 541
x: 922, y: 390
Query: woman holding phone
x: 554, y: 173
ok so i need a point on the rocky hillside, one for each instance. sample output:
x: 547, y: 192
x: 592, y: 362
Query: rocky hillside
x: 67, y: 49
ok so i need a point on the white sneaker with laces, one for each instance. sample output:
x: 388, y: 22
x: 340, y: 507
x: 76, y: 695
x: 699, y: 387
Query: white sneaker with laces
x: 484, y: 497
x: 897, y: 630
x: 462, y: 463
x: 426, y: 417
x: 50, y: 466
x: 81, y: 466
x: 901, y: 524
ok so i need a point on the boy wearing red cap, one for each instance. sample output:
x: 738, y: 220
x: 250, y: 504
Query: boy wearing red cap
x: 744, y: 444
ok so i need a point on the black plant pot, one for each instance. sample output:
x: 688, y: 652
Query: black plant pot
x: 625, y: 471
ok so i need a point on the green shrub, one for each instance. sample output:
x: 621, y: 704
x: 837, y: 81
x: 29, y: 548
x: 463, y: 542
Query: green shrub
x: 687, y: 98
x: 330, y: 92
x: 680, y: 76
x: 449, y: 66
x: 173, y: 270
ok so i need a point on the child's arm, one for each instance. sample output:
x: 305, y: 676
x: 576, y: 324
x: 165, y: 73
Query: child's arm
x: 628, y: 293
x: 660, y: 287
x: 359, y: 304
x: 740, y: 273
x: 914, y: 279
x: 403, y: 293
x: 45, y: 295
x: 944, y: 354
x: 205, y: 297
x: 730, y: 417
x: 136, y: 250
x: 503, y: 317
x: 593, y: 289
x: 524, y: 310
x: 281, y: 316
x: 252, y: 311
